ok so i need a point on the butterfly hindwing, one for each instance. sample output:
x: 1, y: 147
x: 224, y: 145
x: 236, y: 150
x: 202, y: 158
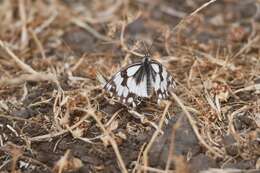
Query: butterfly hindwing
x: 161, y: 80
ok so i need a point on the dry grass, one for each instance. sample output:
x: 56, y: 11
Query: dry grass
x: 51, y: 53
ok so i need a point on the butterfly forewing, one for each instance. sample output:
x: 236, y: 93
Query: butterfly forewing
x: 124, y: 84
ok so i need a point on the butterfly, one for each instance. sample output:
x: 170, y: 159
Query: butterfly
x: 139, y: 81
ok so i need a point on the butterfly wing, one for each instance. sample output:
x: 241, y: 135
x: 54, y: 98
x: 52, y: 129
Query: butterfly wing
x: 139, y: 80
x: 125, y: 84
x: 161, y: 80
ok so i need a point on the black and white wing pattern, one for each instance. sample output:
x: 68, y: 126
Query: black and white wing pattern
x: 161, y: 80
x: 140, y: 80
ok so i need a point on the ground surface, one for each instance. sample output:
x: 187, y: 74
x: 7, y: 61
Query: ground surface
x: 55, y: 117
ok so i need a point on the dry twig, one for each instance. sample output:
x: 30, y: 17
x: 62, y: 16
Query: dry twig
x: 24, y: 33
x: 185, y: 19
x: 91, y: 30
x: 107, y: 15
x: 38, y: 43
x: 216, y: 152
x: 7, y: 53
x: 61, y: 132
x: 122, y: 42
x: 109, y: 136
x: 248, y: 88
x: 155, y: 135
x: 32, y: 76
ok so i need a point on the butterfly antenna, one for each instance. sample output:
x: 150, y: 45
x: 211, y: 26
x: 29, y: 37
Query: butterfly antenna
x: 150, y: 48
x: 147, y: 51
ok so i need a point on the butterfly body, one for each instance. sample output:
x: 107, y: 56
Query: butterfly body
x: 140, y: 80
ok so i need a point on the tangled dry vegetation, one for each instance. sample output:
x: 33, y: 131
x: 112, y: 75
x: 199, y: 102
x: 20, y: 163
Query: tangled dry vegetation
x: 55, y: 117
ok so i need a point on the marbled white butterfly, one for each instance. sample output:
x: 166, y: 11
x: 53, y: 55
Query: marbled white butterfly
x: 141, y: 80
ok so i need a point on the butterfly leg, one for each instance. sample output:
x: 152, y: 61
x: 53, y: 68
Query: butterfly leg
x: 133, y: 105
x: 159, y: 101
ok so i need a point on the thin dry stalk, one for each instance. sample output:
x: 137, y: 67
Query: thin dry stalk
x: 107, y: 15
x: 185, y: 19
x: 231, y: 127
x: 171, y: 11
x: 109, y: 135
x: 155, y: 135
x: 38, y: 43
x: 25, y: 92
x: 215, y: 151
x: 7, y: 53
x: 213, y: 103
x: 248, y: 88
x: 199, y: 103
x: 33, y: 75
x: 138, y: 159
x: 217, y: 61
x: 24, y: 33
x: 62, y: 161
x: 151, y: 169
x: 171, y: 147
x: 33, y: 161
x: 15, y: 151
x: 78, y: 63
x: 37, y: 77
x: 191, y: 73
x: 202, y: 7
x: 46, y: 23
x: 5, y: 163
x: 167, y: 36
x: 112, y: 9
x: 181, y: 164
x: 229, y: 170
x: 11, y: 117
x: 122, y: 42
x: 113, y: 117
x: 144, y: 120
x: 113, y: 143
x: 52, y: 135
x: 246, y: 46
x: 91, y: 30
x: 59, y: 101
